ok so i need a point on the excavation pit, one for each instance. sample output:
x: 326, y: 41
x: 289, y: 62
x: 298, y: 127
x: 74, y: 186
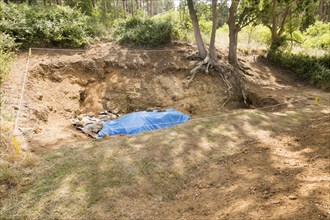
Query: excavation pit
x: 116, y: 80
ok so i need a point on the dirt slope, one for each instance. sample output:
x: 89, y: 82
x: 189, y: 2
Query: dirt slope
x: 277, y: 176
x: 108, y: 77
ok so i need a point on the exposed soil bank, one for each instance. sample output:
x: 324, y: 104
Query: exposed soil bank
x: 108, y: 77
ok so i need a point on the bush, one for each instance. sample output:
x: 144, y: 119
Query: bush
x: 53, y: 25
x: 7, y: 46
x: 181, y: 26
x: 318, y: 36
x: 205, y: 26
x: 314, y: 69
x: 145, y: 32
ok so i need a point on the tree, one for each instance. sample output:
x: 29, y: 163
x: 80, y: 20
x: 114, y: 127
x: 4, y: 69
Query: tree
x: 211, y: 58
x: 212, y: 52
x: 277, y: 13
x: 322, y: 10
x: 278, y: 21
x: 223, y: 13
x: 241, y: 14
x: 86, y: 6
x: 168, y: 5
x: 309, y: 16
x: 233, y: 33
x: 198, y: 37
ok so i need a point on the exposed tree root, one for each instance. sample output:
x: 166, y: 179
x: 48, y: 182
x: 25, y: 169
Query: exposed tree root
x: 199, y: 68
x: 204, y: 66
x: 214, y: 63
x: 242, y: 91
x: 211, y: 61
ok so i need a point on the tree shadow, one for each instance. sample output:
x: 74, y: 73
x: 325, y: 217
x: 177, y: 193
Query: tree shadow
x: 247, y: 165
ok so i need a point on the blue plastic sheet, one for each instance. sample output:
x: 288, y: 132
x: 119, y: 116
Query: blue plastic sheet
x: 137, y: 122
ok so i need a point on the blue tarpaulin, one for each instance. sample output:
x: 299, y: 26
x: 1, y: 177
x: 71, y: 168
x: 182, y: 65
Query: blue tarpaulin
x: 137, y: 122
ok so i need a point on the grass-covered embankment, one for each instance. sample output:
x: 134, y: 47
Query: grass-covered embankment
x: 314, y: 69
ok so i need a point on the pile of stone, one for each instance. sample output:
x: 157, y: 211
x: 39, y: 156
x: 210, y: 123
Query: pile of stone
x: 91, y: 124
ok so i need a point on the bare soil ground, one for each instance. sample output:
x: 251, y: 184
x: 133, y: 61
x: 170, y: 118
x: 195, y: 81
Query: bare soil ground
x: 267, y: 162
x: 108, y: 77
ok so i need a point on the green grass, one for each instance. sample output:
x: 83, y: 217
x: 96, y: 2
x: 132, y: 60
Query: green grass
x: 8, y: 176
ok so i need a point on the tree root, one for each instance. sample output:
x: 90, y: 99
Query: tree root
x: 243, y: 93
x: 229, y: 87
x: 208, y: 62
x: 199, y: 68
x: 204, y: 66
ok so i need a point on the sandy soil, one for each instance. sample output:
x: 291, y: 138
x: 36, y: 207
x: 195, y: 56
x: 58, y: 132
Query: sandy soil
x: 283, y: 176
x: 108, y: 77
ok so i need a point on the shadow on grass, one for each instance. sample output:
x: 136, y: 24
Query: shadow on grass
x: 249, y: 164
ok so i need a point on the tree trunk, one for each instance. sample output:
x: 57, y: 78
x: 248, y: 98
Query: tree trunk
x: 212, y: 51
x: 124, y: 6
x: 322, y: 11
x: 197, y: 32
x: 274, y: 21
x: 132, y: 7
x: 274, y: 27
x: 214, y: 23
x: 211, y: 59
x: 232, y: 55
x: 137, y: 5
x: 152, y: 7
x: 233, y: 33
x: 277, y: 28
x: 148, y: 7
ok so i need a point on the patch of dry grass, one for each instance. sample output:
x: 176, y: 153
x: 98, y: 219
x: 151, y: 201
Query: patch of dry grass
x: 6, y: 138
x: 16, y: 164
x: 119, y: 177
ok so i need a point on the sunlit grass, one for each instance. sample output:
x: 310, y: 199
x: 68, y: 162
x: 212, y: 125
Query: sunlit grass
x: 100, y: 177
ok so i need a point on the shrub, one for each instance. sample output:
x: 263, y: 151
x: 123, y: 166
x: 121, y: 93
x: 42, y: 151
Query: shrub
x: 181, y: 25
x: 182, y: 28
x: 318, y: 36
x: 145, y: 32
x: 314, y: 69
x: 53, y: 25
x: 205, y: 26
x: 7, y: 46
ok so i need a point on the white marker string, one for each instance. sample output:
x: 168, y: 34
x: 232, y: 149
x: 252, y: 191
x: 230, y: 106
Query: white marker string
x: 22, y: 93
x: 125, y: 49
x: 58, y: 49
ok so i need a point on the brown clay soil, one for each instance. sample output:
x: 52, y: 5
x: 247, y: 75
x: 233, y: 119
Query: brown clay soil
x: 270, y: 161
x: 63, y: 85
